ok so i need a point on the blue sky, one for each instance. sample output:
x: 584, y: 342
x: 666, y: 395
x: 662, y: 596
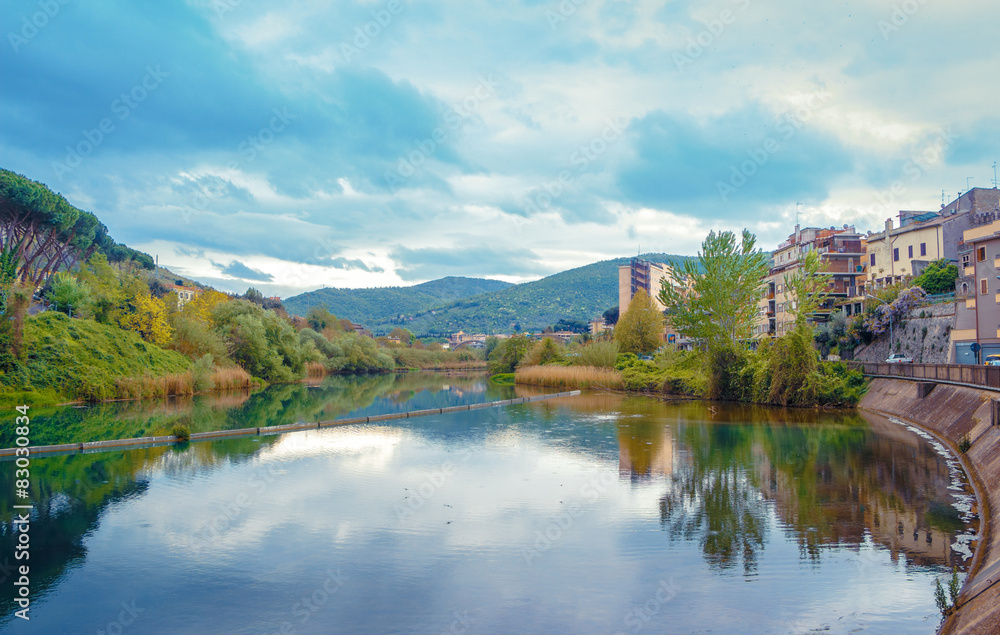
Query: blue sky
x: 390, y: 142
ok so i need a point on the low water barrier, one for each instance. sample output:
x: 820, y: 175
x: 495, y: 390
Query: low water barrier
x: 104, y: 446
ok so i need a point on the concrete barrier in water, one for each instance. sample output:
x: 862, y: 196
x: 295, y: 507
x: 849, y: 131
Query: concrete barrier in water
x: 114, y: 444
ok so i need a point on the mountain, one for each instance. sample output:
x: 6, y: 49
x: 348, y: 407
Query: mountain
x: 380, y: 306
x: 582, y: 293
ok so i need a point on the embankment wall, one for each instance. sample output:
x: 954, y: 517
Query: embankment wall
x: 950, y: 413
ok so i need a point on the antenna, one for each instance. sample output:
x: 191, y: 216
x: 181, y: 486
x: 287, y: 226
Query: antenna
x: 942, y: 199
x: 798, y: 211
x: 994, y: 175
x: 967, y: 179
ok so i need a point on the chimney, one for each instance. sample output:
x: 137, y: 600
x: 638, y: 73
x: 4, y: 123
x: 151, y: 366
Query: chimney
x: 888, y: 225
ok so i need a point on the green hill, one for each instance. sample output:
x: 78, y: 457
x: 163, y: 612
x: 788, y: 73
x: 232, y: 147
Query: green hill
x: 579, y: 294
x: 379, y: 306
x: 83, y: 359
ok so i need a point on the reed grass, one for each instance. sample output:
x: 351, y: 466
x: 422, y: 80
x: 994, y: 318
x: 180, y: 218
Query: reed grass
x: 316, y: 370
x: 149, y: 387
x: 574, y: 377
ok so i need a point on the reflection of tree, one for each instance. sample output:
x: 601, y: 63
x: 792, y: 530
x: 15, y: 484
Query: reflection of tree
x: 710, y: 498
x: 279, y: 404
x: 837, y: 482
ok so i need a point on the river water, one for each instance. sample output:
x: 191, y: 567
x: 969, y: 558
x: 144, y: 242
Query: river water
x: 590, y: 514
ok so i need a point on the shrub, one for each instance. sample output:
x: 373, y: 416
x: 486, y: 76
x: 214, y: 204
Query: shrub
x: 964, y: 444
x: 598, y: 355
x: 545, y: 351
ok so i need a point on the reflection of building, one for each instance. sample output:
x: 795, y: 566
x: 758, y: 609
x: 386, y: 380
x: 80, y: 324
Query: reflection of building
x: 644, y: 452
x: 885, y: 489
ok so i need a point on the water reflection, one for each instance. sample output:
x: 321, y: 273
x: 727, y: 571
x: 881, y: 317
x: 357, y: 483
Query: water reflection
x: 703, y: 495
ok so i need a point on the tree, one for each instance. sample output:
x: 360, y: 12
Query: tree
x: 68, y: 294
x: 506, y: 356
x: 639, y: 328
x: 200, y: 307
x: 938, y: 277
x: 146, y: 315
x: 714, y: 298
x: 611, y: 315
x: 406, y: 338
x: 808, y: 288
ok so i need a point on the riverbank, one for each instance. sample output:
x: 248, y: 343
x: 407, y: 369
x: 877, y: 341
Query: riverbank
x: 951, y: 413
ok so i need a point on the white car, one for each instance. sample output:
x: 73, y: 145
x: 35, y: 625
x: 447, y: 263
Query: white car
x: 899, y: 358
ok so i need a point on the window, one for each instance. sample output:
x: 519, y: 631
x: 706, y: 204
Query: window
x: 871, y: 258
x: 923, y: 249
x: 981, y: 254
x: 965, y: 260
x: 983, y: 286
x: 895, y: 254
x: 910, y: 251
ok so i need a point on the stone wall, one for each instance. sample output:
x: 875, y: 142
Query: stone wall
x: 924, y: 336
x: 952, y: 412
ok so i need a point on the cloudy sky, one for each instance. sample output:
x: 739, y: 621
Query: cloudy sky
x: 387, y: 142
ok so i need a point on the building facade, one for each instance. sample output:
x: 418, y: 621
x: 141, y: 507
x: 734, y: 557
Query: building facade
x: 841, y: 255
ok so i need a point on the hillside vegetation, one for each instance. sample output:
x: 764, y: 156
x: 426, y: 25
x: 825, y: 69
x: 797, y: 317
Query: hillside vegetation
x: 380, y: 306
x: 84, y: 359
x: 579, y: 294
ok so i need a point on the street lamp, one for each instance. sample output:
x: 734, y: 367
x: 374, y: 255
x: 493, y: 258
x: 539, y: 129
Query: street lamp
x: 890, y: 319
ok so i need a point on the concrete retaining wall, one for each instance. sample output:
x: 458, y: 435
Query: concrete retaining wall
x: 950, y: 413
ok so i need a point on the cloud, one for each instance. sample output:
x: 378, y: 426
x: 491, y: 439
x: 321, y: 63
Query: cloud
x: 476, y: 261
x: 719, y: 166
x: 237, y: 269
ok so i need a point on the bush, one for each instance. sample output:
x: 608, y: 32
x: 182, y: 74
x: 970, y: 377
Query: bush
x: 964, y: 444
x: 545, y: 351
x: 508, y: 354
x: 598, y: 355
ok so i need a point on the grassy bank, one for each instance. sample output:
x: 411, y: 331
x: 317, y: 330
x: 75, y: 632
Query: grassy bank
x: 69, y: 360
x: 750, y: 380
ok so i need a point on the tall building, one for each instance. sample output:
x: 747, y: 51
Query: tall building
x: 648, y: 276
x: 977, y: 309
x: 841, y: 255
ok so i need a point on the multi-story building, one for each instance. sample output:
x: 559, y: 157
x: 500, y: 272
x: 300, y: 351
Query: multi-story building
x: 977, y: 309
x: 648, y: 276
x: 841, y: 255
x: 921, y: 238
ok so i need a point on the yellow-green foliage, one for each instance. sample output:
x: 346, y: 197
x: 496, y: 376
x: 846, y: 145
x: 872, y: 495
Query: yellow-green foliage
x: 544, y: 351
x: 639, y: 328
x: 598, y: 354
x: 575, y: 377
x: 82, y: 359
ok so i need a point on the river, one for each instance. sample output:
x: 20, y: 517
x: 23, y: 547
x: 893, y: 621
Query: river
x: 599, y: 513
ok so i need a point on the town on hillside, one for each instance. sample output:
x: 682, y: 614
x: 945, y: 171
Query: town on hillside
x: 964, y: 233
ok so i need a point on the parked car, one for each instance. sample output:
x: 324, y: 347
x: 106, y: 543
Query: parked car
x: 899, y: 358
x: 992, y: 360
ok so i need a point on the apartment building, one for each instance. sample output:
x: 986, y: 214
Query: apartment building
x: 921, y: 238
x: 977, y: 310
x: 648, y: 276
x: 841, y: 255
